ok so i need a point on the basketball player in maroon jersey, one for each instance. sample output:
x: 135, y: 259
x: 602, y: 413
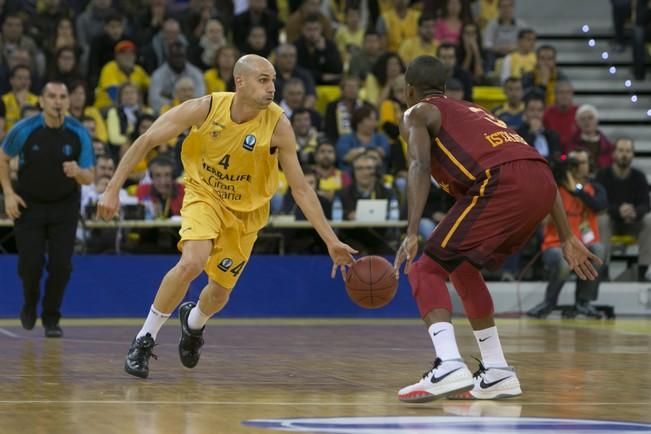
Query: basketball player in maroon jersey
x: 503, y: 189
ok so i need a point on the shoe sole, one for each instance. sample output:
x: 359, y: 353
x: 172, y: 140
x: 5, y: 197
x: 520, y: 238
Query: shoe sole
x: 138, y: 374
x: 56, y: 336
x: 181, y: 308
x: 421, y: 396
x: 468, y: 396
x: 511, y: 391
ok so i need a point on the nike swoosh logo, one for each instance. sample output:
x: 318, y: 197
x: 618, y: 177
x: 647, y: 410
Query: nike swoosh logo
x: 436, y: 333
x: 485, y: 339
x: 485, y: 385
x: 435, y: 380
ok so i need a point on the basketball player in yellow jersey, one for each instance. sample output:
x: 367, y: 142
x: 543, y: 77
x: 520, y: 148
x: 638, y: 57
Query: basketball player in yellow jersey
x: 231, y: 160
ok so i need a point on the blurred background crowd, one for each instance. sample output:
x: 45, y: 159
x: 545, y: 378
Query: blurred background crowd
x: 340, y: 80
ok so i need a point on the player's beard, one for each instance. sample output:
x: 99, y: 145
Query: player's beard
x: 623, y: 165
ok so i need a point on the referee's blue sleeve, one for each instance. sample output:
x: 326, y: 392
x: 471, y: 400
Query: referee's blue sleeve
x: 17, y: 136
x: 87, y: 154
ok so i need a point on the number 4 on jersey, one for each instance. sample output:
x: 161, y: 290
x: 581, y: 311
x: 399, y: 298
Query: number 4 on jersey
x: 224, y: 162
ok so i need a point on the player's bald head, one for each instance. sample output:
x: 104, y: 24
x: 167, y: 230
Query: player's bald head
x: 251, y: 63
x: 254, y: 80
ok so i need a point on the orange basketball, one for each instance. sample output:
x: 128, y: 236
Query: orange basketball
x: 371, y: 282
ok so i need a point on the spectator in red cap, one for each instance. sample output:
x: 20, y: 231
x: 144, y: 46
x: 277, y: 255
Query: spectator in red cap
x: 119, y: 71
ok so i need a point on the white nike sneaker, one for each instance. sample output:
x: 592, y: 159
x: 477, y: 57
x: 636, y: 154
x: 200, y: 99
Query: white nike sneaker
x: 445, y: 377
x: 492, y: 383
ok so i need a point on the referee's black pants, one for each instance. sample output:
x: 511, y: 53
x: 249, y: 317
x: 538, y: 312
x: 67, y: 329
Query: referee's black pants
x: 46, y: 228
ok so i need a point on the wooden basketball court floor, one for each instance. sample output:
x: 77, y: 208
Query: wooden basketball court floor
x: 287, y: 369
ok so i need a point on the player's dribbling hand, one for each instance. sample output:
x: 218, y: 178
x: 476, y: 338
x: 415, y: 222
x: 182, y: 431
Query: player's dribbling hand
x: 407, y: 252
x: 108, y: 205
x: 342, y: 256
x: 580, y: 259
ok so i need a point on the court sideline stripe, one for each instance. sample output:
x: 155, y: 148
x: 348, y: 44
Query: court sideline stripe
x: 342, y: 404
x: 8, y: 333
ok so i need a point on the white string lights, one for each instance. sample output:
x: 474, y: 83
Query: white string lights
x: 612, y: 69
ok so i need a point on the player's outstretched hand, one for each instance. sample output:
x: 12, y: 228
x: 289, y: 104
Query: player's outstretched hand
x: 580, y: 259
x: 342, y: 256
x: 407, y: 252
x: 108, y: 205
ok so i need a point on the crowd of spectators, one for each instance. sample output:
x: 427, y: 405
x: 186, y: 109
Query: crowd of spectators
x: 126, y: 62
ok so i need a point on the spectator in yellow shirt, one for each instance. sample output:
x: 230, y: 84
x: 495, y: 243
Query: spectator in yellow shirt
x: 397, y: 24
x: 423, y: 43
x: 79, y: 109
x: 350, y: 35
x: 523, y: 59
x: 20, y: 79
x: 117, y: 72
x: 487, y: 12
x: 378, y: 83
x: 219, y: 78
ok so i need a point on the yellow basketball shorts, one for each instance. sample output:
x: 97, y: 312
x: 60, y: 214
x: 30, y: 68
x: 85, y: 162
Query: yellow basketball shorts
x: 233, y: 235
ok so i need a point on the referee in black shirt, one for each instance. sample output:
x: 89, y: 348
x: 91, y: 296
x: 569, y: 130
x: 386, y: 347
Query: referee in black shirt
x: 55, y: 156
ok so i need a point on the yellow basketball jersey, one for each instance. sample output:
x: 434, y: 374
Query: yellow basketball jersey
x: 230, y: 163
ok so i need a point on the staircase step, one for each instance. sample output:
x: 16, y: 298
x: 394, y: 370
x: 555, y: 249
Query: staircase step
x: 573, y: 45
x: 600, y: 72
x: 593, y: 57
x: 639, y: 133
x: 610, y: 85
x: 606, y: 102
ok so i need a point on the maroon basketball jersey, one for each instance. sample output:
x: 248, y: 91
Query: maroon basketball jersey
x: 471, y: 141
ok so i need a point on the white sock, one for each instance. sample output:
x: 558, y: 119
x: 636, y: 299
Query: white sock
x: 197, y: 319
x: 153, y: 323
x: 490, y: 348
x: 445, y: 345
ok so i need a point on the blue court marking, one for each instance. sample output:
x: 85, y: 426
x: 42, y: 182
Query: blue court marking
x: 447, y: 424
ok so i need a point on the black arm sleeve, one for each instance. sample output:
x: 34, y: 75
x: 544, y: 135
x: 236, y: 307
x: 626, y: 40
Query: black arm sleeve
x: 598, y: 202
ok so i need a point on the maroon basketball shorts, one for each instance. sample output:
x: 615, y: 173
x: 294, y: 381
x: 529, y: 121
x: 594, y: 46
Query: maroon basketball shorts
x: 496, y: 217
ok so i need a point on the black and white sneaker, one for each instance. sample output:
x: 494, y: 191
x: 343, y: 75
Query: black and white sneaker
x: 191, y: 340
x: 137, y: 361
x: 492, y: 383
x: 445, y: 377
